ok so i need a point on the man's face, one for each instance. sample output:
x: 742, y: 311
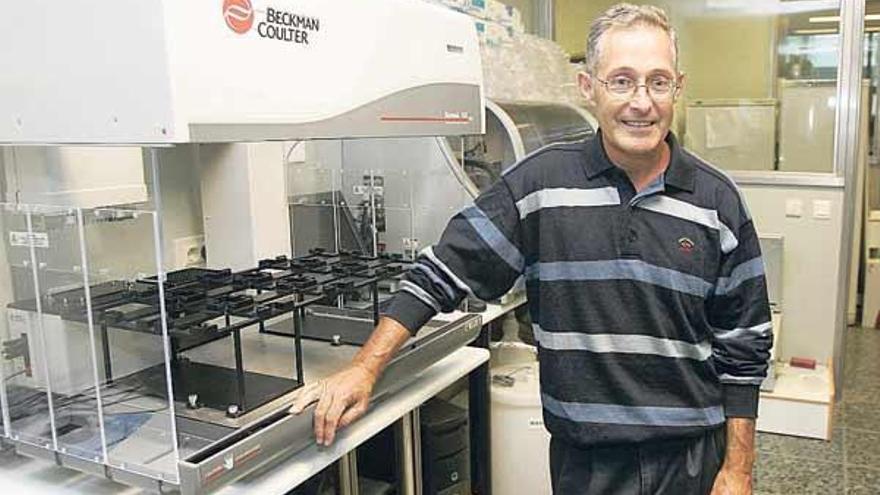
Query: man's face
x: 632, y: 124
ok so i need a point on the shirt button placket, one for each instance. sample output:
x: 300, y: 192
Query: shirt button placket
x: 630, y: 237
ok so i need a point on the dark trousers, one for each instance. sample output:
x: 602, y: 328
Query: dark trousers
x: 673, y: 467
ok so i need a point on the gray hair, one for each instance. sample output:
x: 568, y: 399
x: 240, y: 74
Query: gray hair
x: 626, y: 15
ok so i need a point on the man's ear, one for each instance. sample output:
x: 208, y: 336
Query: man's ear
x: 680, y: 86
x: 587, y: 87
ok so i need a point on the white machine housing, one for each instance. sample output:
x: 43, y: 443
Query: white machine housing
x: 169, y: 71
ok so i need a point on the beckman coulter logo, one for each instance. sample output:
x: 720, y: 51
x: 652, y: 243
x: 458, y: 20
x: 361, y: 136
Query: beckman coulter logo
x: 239, y: 15
x: 271, y: 22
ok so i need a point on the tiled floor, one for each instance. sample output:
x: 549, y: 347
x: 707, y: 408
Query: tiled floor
x: 850, y: 463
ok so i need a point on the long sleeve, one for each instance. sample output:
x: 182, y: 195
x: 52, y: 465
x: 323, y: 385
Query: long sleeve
x: 478, y: 254
x: 739, y: 313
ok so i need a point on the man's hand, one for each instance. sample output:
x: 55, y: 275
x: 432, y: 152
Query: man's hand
x: 735, y: 476
x: 342, y: 398
x: 345, y: 396
x: 731, y: 482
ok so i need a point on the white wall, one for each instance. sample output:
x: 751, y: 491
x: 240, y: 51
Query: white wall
x: 244, y: 204
x: 126, y: 248
x: 811, y: 271
x: 181, y: 198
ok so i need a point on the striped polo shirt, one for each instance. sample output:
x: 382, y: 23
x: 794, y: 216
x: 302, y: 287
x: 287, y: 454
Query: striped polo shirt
x: 649, y: 308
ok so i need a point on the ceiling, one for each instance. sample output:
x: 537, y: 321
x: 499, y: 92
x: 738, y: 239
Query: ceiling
x: 799, y: 23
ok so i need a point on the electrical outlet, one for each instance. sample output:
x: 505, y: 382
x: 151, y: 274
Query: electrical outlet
x: 188, y: 251
x: 821, y: 209
x: 794, y: 208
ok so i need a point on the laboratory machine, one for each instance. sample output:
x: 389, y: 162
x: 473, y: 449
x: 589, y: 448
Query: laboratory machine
x: 114, y: 361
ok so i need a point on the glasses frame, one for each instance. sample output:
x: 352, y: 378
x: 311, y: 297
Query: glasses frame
x: 670, y: 96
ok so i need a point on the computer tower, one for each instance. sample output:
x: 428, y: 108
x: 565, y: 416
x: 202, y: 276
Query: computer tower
x: 445, y: 449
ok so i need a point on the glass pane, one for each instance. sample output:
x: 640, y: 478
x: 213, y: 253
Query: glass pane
x: 761, y: 79
x: 487, y: 156
x: 392, y: 198
x: 356, y: 232
x: 27, y: 382
x: 127, y: 315
x: 318, y: 210
x: 68, y: 337
x: 806, y: 123
x: 542, y: 124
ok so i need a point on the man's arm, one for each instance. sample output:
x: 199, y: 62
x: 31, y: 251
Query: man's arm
x: 345, y: 396
x: 742, y: 335
x: 478, y: 253
x: 735, y: 477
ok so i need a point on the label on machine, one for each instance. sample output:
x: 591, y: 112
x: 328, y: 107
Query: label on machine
x: 32, y: 239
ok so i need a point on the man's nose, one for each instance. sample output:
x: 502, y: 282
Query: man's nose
x: 641, y: 100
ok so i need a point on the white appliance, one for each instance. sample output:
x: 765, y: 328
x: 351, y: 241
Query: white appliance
x: 871, y: 299
x: 127, y: 71
x: 516, y: 411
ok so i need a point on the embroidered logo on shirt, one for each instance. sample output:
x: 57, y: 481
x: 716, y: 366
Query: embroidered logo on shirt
x: 686, y: 245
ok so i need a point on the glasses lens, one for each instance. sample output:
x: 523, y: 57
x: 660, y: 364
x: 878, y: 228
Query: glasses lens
x: 621, y: 85
x: 660, y: 86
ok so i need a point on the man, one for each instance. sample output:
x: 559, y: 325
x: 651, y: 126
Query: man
x: 644, y: 280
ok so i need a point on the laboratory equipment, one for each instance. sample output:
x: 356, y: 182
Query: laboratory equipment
x: 516, y: 410
x: 346, y: 182
x: 445, y: 449
x: 114, y: 365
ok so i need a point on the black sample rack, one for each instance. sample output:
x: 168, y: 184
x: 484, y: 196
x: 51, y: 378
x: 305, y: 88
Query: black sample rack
x: 205, y: 305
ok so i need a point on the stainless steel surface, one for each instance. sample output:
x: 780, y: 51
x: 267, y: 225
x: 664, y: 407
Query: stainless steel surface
x: 348, y: 474
x: 279, y: 434
x: 43, y: 477
x: 417, y: 449
x: 276, y: 478
x: 846, y: 157
x: 270, y: 355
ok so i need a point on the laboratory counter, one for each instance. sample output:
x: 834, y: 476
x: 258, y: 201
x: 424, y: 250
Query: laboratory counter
x: 41, y: 477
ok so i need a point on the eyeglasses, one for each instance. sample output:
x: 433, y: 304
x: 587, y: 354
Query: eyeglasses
x: 659, y: 88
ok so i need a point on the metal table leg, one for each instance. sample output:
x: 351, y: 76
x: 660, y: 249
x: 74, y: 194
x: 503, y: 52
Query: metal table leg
x: 409, y: 453
x: 479, y: 403
x: 348, y: 474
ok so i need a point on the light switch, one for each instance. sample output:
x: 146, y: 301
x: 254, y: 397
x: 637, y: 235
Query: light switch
x: 794, y: 208
x: 821, y: 209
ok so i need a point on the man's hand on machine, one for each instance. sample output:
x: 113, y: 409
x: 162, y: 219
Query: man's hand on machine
x: 342, y: 398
